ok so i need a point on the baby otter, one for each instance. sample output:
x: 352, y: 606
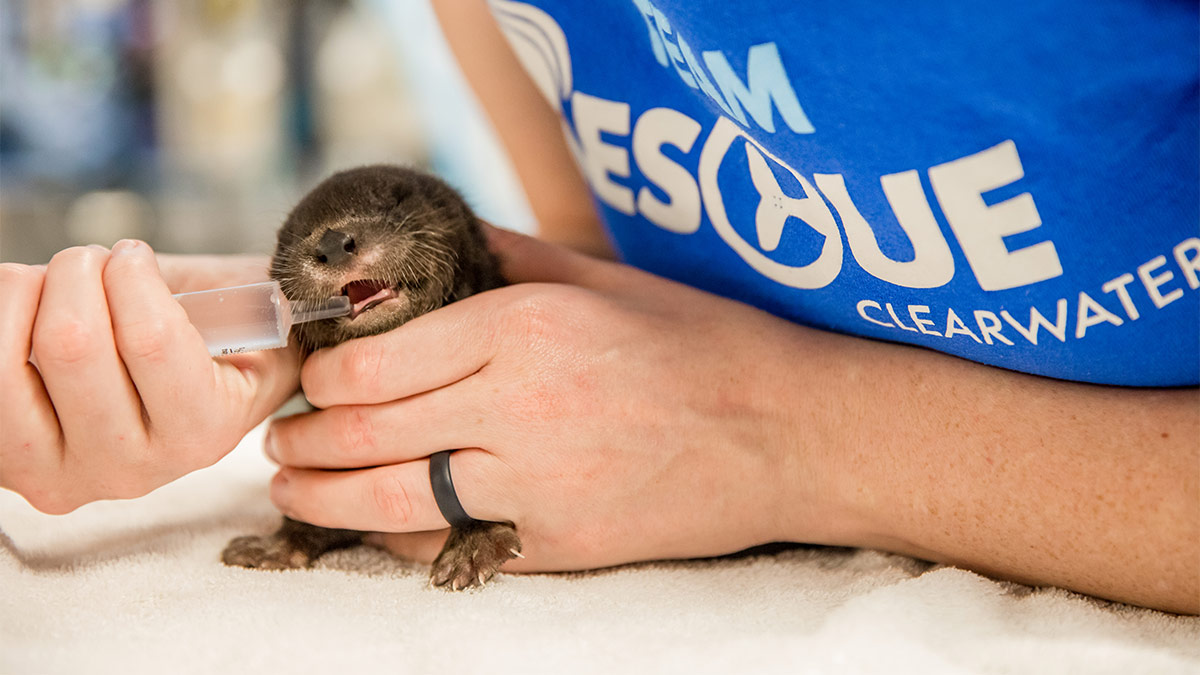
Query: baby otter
x: 399, y: 243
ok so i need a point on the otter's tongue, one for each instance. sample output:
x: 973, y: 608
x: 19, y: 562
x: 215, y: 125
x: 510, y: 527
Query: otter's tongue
x: 367, y: 293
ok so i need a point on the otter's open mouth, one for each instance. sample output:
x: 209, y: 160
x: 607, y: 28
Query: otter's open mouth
x: 366, y: 294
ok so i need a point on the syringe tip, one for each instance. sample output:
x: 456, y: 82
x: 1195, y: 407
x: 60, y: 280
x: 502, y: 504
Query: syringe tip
x: 338, y: 305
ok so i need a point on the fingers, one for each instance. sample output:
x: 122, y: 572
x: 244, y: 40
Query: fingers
x: 191, y: 400
x: 22, y: 286
x: 431, y: 351
x: 452, y: 343
x: 106, y: 337
x: 255, y: 384
x: 165, y: 356
x: 392, y: 498
x: 31, y: 431
x: 354, y: 436
x: 76, y: 353
x: 259, y: 382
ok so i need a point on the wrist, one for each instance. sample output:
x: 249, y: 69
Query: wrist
x: 824, y: 488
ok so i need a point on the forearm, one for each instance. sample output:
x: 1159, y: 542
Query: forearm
x: 528, y: 128
x: 1095, y: 489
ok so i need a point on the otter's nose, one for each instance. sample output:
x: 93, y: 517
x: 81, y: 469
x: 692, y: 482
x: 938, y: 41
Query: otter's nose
x: 335, y: 247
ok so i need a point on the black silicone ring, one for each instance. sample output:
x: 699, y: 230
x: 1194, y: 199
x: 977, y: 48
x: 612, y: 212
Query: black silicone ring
x: 443, y: 490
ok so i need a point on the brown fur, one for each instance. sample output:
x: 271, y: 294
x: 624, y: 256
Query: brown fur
x: 412, y: 232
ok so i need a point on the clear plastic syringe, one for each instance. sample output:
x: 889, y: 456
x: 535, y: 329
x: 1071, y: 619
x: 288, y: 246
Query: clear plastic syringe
x: 253, y: 317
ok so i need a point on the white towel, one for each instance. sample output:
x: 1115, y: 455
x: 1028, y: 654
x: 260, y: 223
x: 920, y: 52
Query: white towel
x: 137, y: 587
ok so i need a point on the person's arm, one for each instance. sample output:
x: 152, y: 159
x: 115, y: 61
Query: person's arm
x: 528, y: 128
x: 614, y: 416
x: 954, y: 459
x: 1046, y: 482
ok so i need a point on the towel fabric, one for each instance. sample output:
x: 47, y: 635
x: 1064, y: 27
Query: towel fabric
x: 137, y: 587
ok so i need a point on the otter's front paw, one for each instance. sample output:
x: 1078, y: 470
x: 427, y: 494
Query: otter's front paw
x: 271, y: 552
x: 472, y: 555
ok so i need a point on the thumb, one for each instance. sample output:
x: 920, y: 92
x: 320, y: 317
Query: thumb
x: 260, y: 382
x: 257, y: 383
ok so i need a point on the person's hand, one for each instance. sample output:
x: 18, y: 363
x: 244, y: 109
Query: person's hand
x: 611, y: 415
x: 124, y: 396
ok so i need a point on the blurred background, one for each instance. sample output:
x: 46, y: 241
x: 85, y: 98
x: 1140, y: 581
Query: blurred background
x: 196, y: 124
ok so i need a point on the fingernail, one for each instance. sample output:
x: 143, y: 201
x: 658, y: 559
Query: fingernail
x: 279, y: 489
x: 278, y: 492
x: 269, y: 445
x: 126, y: 246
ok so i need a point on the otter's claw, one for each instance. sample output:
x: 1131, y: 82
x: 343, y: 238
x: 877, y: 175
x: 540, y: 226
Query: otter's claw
x: 472, y: 555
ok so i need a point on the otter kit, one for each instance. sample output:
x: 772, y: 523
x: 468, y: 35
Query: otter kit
x: 399, y: 243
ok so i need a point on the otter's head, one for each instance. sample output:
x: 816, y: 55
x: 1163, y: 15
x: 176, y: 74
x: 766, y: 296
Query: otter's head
x: 398, y: 242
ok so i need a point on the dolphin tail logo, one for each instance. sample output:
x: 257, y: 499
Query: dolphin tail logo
x: 772, y: 213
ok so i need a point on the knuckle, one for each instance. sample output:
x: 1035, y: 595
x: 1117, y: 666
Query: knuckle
x: 549, y: 325
x: 364, y: 363
x: 547, y: 311
x: 146, y: 339
x: 536, y: 311
x: 66, y: 340
x: 393, y: 500
x: 79, y: 255
x: 119, y: 267
x: 50, y: 501
x: 16, y: 274
x: 356, y: 431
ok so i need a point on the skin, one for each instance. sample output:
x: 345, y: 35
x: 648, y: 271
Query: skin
x: 735, y: 427
x: 124, y: 397
x: 528, y: 128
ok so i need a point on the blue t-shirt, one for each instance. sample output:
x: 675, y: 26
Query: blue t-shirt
x: 1014, y: 183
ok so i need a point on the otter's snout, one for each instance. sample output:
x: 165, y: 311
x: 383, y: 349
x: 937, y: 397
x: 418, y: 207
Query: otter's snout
x: 335, y: 248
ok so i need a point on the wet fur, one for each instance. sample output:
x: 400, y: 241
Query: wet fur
x: 412, y: 230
